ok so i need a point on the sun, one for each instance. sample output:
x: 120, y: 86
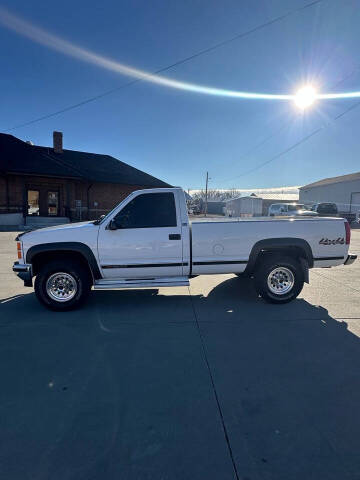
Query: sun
x: 305, y: 97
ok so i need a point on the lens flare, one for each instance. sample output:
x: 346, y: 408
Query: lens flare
x: 38, y: 35
x: 304, y: 98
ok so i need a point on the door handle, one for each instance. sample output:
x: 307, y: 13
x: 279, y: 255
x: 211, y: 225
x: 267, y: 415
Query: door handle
x: 174, y: 236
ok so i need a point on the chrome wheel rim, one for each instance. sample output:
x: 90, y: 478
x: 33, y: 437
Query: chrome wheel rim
x: 280, y: 280
x: 61, y: 287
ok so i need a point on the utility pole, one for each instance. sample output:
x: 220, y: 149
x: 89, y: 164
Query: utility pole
x: 206, y: 193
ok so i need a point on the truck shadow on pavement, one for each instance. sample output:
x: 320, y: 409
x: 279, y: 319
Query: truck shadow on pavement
x: 287, y: 379
x: 233, y: 299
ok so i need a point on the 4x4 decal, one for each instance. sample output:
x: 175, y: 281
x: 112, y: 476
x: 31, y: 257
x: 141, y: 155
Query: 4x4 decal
x: 338, y: 241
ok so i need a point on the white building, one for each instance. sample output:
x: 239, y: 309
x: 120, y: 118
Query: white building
x: 343, y: 190
x: 243, y: 207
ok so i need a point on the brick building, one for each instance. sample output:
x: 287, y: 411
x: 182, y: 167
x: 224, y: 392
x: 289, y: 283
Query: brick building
x: 39, y: 183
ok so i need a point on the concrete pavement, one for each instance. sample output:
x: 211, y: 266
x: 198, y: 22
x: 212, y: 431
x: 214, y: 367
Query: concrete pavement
x: 209, y: 382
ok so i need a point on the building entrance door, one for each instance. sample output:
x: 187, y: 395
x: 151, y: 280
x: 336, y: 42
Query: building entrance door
x: 355, y: 202
x: 33, y: 202
x: 43, y: 200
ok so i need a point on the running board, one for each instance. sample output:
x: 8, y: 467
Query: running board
x: 141, y: 283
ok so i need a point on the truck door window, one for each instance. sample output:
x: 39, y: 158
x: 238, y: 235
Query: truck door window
x: 149, y: 210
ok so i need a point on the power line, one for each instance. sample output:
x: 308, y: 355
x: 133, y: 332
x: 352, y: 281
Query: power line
x: 175, y: 64
x: 297, y: 144
x: 262, y: 142
x: 71, y: 107
x: 256, y: 146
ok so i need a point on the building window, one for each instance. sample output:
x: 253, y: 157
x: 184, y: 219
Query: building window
x: 33, y: 202
x: 53, y: 203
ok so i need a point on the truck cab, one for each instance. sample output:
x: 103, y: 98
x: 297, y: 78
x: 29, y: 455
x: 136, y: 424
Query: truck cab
x: 149, y: 232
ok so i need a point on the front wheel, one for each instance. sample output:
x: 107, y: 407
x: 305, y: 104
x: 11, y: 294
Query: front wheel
x: 62, y: 285
x: 279, y: 279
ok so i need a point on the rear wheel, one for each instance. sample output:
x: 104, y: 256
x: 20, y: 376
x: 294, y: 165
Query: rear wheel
x: 279, y: 279
x: 62, y: 285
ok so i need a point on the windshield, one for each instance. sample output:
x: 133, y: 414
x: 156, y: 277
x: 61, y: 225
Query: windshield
x: 294, y: 208
x: 327, y: 208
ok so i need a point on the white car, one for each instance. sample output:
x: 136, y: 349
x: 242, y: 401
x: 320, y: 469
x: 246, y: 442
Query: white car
x: 147, y: 241
x: 290, y: 210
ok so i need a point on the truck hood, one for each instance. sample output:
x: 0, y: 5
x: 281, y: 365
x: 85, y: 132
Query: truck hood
x: 64, y: 226
x: 58, y: 233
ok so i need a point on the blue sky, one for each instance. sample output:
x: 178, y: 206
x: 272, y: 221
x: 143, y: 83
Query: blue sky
x: 177, y: 135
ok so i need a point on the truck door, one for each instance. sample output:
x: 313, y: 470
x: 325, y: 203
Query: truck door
x: 147, y: 241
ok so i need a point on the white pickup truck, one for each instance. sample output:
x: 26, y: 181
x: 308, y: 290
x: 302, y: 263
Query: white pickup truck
x: 148, y: 241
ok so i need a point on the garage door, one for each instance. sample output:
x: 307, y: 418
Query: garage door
x: 355, y: 202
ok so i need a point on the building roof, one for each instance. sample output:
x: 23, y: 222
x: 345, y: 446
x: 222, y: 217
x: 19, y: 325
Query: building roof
x: 276, y: 197
x: 284, y: 197
x: 327, y: 181
x: 20, y: 157
x: 252, y: 197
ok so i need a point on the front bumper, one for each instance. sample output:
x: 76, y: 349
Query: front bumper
x: 24, y: 271
x: 350, y: 259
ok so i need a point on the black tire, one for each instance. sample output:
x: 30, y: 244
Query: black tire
x: 267, y: 265
x: 76, y: 275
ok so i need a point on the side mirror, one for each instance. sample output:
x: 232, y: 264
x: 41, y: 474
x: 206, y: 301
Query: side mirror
x: 112, y: 225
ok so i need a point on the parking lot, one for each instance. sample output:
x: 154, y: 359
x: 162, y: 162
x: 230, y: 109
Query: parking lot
x: 202, y: 383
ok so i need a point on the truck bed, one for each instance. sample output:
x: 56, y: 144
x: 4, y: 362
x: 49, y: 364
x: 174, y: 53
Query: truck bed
x: 221, y: 219
x: 226, y: 243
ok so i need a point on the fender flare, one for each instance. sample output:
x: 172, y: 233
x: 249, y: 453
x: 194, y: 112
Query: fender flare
x: 77, y: 247
x: 279, y: 244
